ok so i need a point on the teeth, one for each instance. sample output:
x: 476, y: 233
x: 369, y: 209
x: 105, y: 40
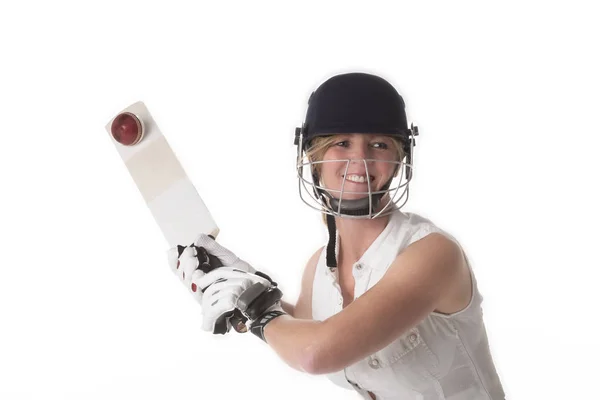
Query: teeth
x: 358, y: 178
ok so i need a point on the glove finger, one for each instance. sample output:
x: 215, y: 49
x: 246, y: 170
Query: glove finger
x: 183, y: 263
x: 194, y: 288
x: 243, y: 265
x: 228, y: 294
x: 226, y: 256
x: 211, y: 245
x: 222, y: 324
x: 188, y: 263
x: 235, y: 285
x: 216, y: 306
x: 220, y: 302
x: 228, y: 273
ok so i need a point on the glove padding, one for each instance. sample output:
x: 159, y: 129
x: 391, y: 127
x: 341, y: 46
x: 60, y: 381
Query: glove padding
x: 221, y: 290
x: 190, y: 263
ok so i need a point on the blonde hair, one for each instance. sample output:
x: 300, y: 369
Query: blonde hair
x: 320, y: 144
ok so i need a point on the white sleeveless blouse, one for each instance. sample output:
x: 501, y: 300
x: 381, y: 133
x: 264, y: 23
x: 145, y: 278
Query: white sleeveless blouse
x: 442, y: 357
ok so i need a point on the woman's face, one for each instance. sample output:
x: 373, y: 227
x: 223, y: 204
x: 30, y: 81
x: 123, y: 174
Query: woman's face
x: 357, y: 148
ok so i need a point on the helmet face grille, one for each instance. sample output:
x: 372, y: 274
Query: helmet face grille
x: 345, y: 202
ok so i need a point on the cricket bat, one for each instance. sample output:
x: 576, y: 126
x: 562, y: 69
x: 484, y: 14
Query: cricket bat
x: 171, y: 197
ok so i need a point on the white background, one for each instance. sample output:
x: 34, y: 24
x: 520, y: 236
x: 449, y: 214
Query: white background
x: 506, y: 99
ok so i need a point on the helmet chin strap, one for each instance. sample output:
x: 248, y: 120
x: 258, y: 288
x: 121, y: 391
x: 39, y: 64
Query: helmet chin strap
x: 353, y: 207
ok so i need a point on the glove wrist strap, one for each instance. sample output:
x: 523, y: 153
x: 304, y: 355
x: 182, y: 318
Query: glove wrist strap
x: 258, y: 326
x: 257, y: 299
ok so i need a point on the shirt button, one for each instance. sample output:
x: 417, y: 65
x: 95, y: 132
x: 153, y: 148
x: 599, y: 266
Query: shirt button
x: 359, y: 267
x: 413, y: 337
x: 374, y: 363
x: 340, y: 301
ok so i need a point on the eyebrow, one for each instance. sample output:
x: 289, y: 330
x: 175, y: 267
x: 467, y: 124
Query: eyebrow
x: 381, y: 137
x: 374, y: 137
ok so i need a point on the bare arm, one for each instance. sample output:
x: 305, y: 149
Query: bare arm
x: 303, y: 309
x: 413, y: 286
x: 288, y: 308
x: 294, y: 355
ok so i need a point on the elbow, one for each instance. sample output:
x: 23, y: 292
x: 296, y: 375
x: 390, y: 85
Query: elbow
x: 315, y: 361
x: 310, y: 361
x: 322, y: 356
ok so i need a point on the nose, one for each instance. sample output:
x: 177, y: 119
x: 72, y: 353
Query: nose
x: 359, y: 153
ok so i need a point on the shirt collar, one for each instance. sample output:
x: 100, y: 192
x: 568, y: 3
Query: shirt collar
x: 375, y: 256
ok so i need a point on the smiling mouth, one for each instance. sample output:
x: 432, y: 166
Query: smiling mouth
x: 354, y: 178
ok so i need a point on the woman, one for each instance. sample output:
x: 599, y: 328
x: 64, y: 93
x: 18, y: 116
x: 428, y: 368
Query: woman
x: 390, y: 307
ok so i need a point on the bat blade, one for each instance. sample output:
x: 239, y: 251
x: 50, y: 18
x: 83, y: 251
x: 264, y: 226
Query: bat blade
x: 171, y: 197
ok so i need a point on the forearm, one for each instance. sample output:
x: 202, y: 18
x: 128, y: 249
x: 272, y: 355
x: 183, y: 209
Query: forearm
x: 288, y: 308
x: 294, y: 341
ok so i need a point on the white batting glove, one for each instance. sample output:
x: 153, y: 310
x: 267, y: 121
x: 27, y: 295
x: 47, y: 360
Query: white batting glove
x: 221, y: 289
x: 230, y: 290
x: 189, y: 262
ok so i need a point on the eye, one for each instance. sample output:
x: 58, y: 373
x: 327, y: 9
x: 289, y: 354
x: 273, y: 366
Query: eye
x: 343, y: 143
x: 381, y: 145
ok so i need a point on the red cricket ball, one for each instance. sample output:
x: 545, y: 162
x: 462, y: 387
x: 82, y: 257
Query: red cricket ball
x: 127, y: 129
